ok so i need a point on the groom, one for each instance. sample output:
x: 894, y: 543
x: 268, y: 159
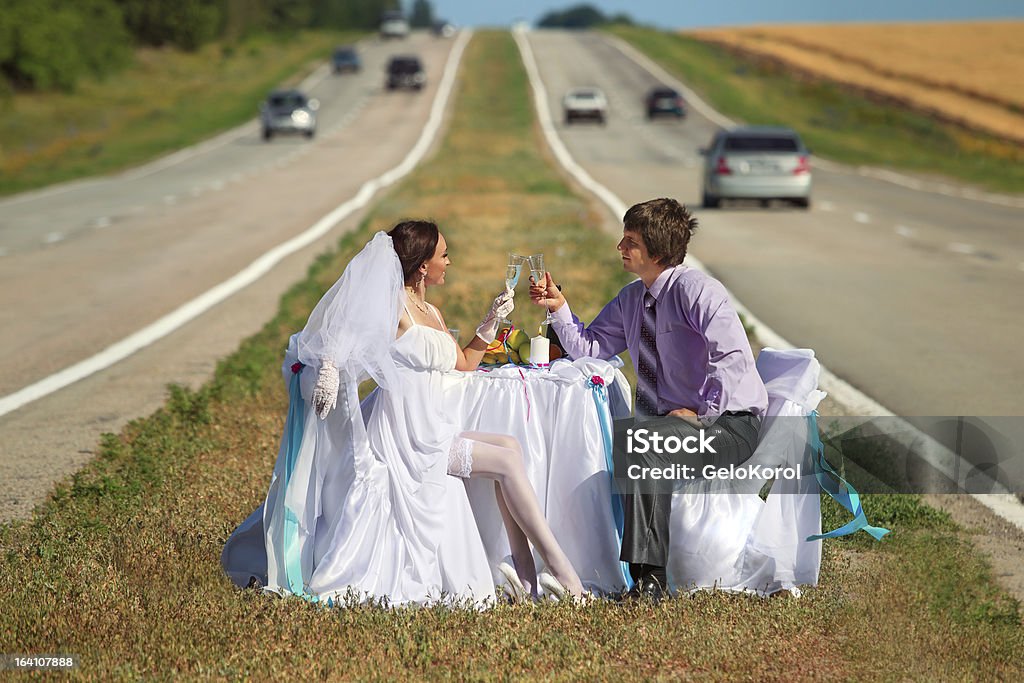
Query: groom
x: 695, y: 371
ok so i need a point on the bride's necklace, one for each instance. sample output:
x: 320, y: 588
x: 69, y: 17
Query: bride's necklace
x: 416, y: 300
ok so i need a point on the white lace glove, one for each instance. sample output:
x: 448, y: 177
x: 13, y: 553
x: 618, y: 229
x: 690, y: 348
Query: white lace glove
x: 501, y: 307
x: 325, y: 393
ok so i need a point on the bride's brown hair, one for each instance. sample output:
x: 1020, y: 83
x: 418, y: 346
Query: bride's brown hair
x: 415, y: 243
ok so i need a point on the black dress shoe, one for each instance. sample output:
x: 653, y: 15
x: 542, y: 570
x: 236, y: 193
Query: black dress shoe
x: 646, y: 588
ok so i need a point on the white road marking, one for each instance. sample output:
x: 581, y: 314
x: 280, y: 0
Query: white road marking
x: 54, y: 237
x: 102, y: 222
x: 960, y: 248
x: 3, y: 252
x: 1003, y: 503
x: 904, y: 231
x: 826, y: 206
x: 170, y: 199
x: 204, y: 302
x: 861, y: 217
x: 1020, y: 266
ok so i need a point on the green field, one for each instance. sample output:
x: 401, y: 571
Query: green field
x: 835, y: 123
x: 121, y: 566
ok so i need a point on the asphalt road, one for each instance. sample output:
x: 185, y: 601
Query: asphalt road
x: 84, y: 265
x: 912, y: 297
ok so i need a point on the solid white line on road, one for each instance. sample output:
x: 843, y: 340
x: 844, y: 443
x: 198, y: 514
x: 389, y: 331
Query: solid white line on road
x: 858, y: 403
x: 257, y: 268
x: 540, y: 98
x: 864, y: 171
x: 53, y: 237
x: 960, y: 248
x: 904, y: 231
x: 861, y: 217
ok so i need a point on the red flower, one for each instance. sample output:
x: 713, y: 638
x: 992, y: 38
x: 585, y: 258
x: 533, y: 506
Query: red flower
x: 297, y: 368
x: 597, y: 381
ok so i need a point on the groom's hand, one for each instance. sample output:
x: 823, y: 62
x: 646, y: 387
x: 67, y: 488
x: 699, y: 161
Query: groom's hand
x: 688, y: 415
x: 546, y: 293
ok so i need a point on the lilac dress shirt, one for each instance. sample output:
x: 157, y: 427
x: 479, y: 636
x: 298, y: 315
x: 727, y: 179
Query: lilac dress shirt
x: 704, y: 359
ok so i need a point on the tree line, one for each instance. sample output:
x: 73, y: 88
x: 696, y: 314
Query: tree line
x: 51, y: 44
x: 580, y: 17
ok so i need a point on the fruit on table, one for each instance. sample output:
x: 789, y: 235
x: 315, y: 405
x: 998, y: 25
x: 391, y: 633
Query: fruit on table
x: 516, y: 339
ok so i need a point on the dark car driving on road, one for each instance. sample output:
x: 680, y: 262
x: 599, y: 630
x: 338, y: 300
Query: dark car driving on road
x: 288, y: 111
x: 345, y: 59
x: 662, y: 100
x: 406, y: 71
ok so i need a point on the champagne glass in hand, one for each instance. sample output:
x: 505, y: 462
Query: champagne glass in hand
x: 539, y: 274
x: 512, y: 271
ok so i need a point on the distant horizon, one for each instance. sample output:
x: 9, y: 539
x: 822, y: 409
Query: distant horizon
x: 685, y: 16
x: 805, y: 22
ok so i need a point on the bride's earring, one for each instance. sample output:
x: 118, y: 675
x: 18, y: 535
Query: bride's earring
x: 423, y: 276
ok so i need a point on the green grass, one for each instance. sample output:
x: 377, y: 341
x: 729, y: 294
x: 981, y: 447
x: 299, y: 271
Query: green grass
x: 835, y: 123
x: 121, y: 566
x: 164, y: 101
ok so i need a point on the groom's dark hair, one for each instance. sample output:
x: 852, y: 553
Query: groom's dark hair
x: 415, y: 242
x: 665, y: 226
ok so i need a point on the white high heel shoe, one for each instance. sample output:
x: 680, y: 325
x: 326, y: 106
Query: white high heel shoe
x: 560, y: 592
x: 515, y: 588
x: 553, y: 586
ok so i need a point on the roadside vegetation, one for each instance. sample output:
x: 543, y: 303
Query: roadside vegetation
x: 836, y: 122
x: 121, y: 566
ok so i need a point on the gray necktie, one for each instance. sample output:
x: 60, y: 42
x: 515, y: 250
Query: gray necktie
x: 647, y: 362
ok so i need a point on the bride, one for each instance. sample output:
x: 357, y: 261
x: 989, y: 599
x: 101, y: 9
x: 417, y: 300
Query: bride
x: 372, y: 506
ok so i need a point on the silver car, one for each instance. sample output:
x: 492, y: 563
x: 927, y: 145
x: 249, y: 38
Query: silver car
x: 757, y: 162
x: 288, y: 111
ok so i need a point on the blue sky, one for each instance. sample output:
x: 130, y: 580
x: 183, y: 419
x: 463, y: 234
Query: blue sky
x: 684, y: 14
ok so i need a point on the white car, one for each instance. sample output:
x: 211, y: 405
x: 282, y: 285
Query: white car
x: 585, y: 103
x: 394, y: 25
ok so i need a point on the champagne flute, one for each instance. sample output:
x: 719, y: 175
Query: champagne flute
x: 538, y: 273
x: 512, y: 270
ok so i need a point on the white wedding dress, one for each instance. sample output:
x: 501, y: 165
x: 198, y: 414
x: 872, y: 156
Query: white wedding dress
x: 367, y: 510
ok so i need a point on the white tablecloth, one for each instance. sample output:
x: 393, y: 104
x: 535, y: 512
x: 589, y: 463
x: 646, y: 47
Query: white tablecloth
x: 554, y: 415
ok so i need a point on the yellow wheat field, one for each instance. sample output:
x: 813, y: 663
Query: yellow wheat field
x: 968, y: 71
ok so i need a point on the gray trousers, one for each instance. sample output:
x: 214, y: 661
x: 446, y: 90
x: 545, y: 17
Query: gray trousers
x: 647, y: 505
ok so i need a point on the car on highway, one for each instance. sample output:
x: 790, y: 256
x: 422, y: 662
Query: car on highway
x: 345, y: 59
x: 405, y: 71
x: 661, y: 101
x: 757, y: 162
x: 585, y: 103
x: 393, y: 24
x: 288, y: 111
x: 443, y: 29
